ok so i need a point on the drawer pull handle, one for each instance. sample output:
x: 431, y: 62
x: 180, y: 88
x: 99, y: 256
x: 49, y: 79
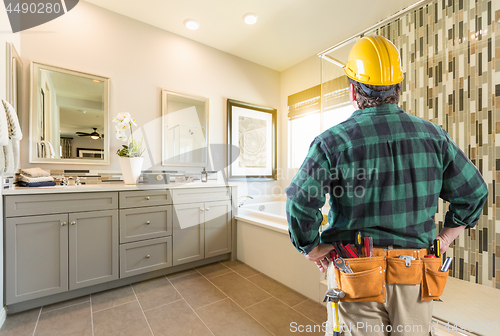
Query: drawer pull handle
x: 148, y: 222
x: 148, y: 198
x: 73, y: 222
x: 63, y: 223
x: 207, y: 209
x: 148, y: 256
x: 201, y: 209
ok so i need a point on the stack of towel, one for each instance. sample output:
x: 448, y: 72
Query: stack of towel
x: 35, y: 177
x: 10, y: 135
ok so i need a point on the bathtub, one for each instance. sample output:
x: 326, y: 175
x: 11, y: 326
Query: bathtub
x: 262, y: 242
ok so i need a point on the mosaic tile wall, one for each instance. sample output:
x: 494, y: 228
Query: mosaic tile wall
x: 450, y: 53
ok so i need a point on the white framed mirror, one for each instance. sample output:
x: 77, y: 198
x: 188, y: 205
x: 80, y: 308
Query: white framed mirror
x: 184, y: 129
x: 13, y: 74
x: 68, y: 117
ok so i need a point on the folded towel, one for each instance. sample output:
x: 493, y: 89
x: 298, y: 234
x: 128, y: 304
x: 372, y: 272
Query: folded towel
x: 34, y: 172
x: 28, y: 179
x: 37, y: 184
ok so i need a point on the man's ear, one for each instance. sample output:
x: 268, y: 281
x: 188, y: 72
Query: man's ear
x: 352, y: 93
x: 352, y: 96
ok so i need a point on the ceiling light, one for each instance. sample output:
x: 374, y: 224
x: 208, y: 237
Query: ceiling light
x: 191, y: 24
x: 96, y: 80
x: 250, y: 18
x: 95, y: 137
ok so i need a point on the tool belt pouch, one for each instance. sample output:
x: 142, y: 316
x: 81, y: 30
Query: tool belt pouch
x: 433, y: 281
x: 366, y: 283
x: 400, y: 274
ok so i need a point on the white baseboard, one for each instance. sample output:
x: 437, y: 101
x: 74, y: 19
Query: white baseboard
x: 3, y: 316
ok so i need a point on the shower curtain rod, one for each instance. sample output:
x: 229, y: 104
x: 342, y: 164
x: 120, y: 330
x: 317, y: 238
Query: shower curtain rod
x: 375, y: 26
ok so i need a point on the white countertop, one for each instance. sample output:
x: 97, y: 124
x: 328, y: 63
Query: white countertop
x: 102, y: 187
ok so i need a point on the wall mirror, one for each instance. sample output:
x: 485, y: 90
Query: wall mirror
x: 69, y: 116
x: 185, y: 129
x: 14, y: 71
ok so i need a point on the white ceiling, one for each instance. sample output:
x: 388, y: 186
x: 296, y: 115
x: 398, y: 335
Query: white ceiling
x: 288, y: 31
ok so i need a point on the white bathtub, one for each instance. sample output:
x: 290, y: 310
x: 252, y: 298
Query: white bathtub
x: 264, y: 244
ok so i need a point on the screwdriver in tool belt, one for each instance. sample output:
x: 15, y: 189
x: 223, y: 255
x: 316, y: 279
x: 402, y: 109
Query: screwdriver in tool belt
x: 358, y: 242
x: 369, y: 246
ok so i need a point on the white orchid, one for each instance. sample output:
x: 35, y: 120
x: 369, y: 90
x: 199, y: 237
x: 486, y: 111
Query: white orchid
x: 123, y: 122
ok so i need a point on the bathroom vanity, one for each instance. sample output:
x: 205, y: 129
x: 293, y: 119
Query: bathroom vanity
x: 64, y: 242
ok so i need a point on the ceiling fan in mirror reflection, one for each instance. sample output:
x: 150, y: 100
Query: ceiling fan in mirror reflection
x: 94, y: 135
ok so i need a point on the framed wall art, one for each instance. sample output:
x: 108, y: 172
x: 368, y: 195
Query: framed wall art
x: 252, y: 129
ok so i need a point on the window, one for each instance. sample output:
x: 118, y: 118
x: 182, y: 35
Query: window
x: 306, y: 118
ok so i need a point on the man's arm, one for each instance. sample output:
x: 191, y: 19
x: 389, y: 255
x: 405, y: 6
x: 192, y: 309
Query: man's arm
x: 305, y: 198
x: 465, y: 189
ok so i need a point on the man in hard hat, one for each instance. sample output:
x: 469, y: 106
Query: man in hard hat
x: 384, y: 170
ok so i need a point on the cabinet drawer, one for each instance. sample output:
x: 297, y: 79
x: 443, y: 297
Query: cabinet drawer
x: 145, y: 256
x: 145, y: 223
x: 135, y: 199
x: 192, y: 195
x: 26, y: 205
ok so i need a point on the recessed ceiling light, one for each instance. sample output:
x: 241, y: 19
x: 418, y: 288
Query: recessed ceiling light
x: 191, y: 24
x: 250, y: 18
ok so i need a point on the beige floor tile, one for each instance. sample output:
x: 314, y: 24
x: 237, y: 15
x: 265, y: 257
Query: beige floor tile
x: 20, y: 324
x: 181, y: 273
x: 46, y: 309
x: 239, y: 289
x: 240, y: 268
x: 197, y: 290
x: 72, y: 320
x: 278, y: 290
x: 313, y: 310
x: 176, y: 318
x: 124, y: 320
x: 112, y: 298
x: 155, y: 292
x: 213, y: 270
x: 225, y: 318
x: 278, y: 318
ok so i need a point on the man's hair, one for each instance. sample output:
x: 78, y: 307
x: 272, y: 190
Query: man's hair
x: 365, y: 101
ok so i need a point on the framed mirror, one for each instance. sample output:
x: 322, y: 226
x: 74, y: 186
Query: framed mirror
x: 14, y: 71
x: 185, y: 129
x: 68, y: 116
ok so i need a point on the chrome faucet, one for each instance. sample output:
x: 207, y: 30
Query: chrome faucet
x: 242, y: 199
x: 78, y: 181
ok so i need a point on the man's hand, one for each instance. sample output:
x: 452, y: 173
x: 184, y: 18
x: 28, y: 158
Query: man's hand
x: 319, y: 254
x: 446, y: 236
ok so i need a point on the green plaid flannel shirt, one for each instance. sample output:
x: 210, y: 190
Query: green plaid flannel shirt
x: 384, y: 170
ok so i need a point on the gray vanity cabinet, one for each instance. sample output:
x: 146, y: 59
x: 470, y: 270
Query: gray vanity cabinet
x: 201, y: 230
x: 93, y: 248
x: 217, y: 228
x: 37, y: 256
x: 189, y: 233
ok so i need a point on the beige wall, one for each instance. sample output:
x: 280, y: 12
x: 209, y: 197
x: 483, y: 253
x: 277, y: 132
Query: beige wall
x: 295, y: 79
x: 140, y: 60
x: 15, y: 39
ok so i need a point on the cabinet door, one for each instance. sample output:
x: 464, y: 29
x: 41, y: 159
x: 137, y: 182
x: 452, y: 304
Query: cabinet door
x: 36, y: 254
x: 189, y: 233
x: 93, y: 248
x: 217, y: 228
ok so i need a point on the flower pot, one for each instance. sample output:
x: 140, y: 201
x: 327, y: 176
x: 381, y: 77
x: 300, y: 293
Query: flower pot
x: 131, y: 169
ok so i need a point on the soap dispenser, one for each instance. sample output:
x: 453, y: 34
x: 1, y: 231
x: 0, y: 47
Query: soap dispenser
x: 204, y: 175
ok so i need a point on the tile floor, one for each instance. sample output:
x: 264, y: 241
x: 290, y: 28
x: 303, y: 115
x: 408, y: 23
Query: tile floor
x: 224, y: 298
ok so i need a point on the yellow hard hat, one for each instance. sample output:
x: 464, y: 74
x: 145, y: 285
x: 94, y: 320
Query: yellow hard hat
x: 374, y: 60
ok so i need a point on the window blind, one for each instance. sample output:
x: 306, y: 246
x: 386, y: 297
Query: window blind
x: 335, y: 94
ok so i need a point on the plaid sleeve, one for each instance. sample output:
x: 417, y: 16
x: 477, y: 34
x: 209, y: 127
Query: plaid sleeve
x: 463, y: 186
x: 305, y: 198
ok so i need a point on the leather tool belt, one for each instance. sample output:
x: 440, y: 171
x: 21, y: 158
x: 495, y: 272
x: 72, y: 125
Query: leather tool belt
x: 371, y: 275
